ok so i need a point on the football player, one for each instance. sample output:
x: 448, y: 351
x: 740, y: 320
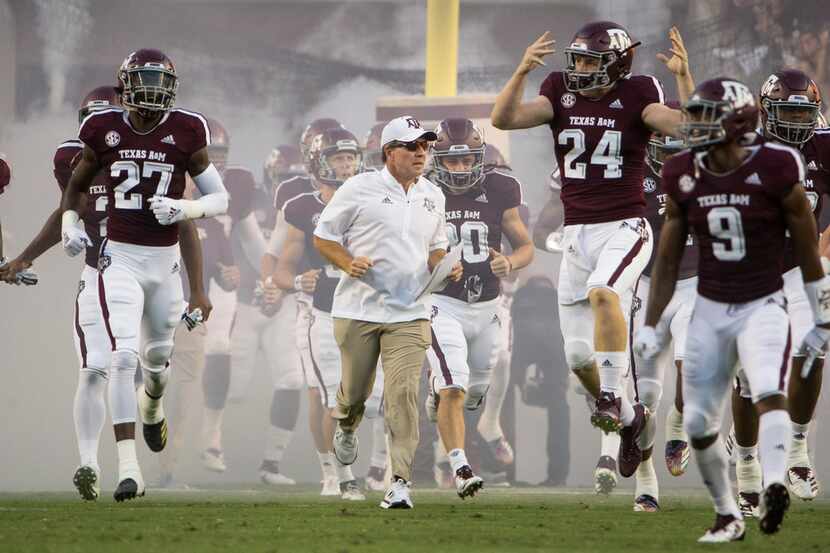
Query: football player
x: 335, y: 155
x: 739, y: 201
x: 465, y: 323
x: 145, y: 151
x: 790, y: 102
x: 373, y: 158
x: 5, y: 178
x: 601, y: 117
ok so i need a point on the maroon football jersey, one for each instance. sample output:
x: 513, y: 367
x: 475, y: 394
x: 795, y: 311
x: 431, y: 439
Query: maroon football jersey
x: 95, y: 211
x: 292, y: 188
x: 5, y: 175
x: 303, y: 212
x: 139, y: 166
x: 655, y: 214
x: 241, y: 186
x: 600, y: 146
x: 474, y: 224
x: 737, y: 218
x: 817, y: 156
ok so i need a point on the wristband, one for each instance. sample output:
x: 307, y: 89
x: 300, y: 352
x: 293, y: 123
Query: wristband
x: 298, y: 283
x: 818, y: 294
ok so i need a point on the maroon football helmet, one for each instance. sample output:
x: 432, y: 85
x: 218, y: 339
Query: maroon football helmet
x: 720, y: 110
x: 493, y: 159
x: 148, y: 81
x: 458, y: 155
x: 313, y: 129
x: 5, y: 175
x: 99, y: 98
x: 790, y: 103
x: 661, y: 147
x: 373, y: 157
x: 282, y: 163
x: 220, y: 144
x: 607, y: 43
x: 326, y: 145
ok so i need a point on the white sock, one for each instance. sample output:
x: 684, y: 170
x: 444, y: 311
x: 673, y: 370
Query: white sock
x: 674, y: 425
x: 610, y: 444
x: 278, y: 440
x: 800, y: 431
x: 90, y: 412
x: 213, y: 428
x: 647, y: 480
x: 799, y: 455
x: 379, y: 450
x: 458, y: 459
x: 774, y: 436
x: 612, y: 366
x: 344, y: 472
x: 121, y: 393
x: 713, y: 465
x: 327, y: 461
x: 748, y: 470
x: 127, y: 459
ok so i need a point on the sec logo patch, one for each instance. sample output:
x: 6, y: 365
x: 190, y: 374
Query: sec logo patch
x: 649, y: 185
x: 568, y: 100
x: 686, y: 184
x: 112, y: 139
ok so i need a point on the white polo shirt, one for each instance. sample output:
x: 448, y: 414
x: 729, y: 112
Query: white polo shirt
x: 372, y: 216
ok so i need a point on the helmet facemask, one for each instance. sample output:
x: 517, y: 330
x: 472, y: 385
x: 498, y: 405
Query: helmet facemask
x: 149, y: 88
x: 703, y: 123
x: 582, y: 81
x: 466, y: 169
x: 792, y: 121
x: 339, y: 162
x: 659, y: 149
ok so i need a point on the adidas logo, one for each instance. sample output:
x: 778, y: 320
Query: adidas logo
x: 616, y: 104
x: 482, y: 198
x: 780, y: 447
x: 386, y: 200
x: 753, y: 179
x: 607, y: 363
x: 168, y: 140
x: 749, y: 457
x: 799, y: 436
x: 812, y: 165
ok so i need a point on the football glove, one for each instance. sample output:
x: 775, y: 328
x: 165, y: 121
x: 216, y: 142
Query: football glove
x: 75, y: 240
x: 192, y: 319
x: 813, y: 346
x: 167, y: 210
x: 646, y: 342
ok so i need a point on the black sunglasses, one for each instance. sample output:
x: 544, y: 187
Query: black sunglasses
x: 412, y: 146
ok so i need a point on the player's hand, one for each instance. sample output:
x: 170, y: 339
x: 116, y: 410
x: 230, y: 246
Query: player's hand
x: 229, y: 274
x: 200, y: 301
x: 9, y: 271
x: 540, y: 48
x: 358, y: 267
x: 167, y: 210
x: 678, y: 63
x: 308, y: 281
x: 457, y: 272
x: 500, y: 264
x: 75, y: 240
x: 646, y: 343
x: 812, y: 347
x: 272, y: 297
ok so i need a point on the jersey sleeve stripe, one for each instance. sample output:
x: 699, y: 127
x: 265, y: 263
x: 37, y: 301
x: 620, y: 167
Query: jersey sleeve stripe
x: 659, y: 89
x: 71, y: 144
x: 95, y: 114
x: 201, y: 118
x: 799, y: 160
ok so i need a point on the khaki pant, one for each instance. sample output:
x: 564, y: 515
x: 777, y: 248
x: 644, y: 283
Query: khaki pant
x: 402, y: 349
x: 184, y: 401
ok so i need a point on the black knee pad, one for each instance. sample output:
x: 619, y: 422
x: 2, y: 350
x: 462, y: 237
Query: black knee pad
x: 285, y: 407
x: 216, y: 380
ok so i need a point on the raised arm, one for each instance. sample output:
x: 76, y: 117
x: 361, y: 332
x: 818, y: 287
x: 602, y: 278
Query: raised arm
x: 678, y: 65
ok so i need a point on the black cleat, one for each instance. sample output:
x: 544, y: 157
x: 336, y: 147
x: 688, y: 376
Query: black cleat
x: 86, y: 482
x: 774, y: 504
x: 155, y: 435
x: 127, y: 489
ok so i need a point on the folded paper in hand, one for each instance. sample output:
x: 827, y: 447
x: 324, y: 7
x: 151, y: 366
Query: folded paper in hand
x: 438, y: 279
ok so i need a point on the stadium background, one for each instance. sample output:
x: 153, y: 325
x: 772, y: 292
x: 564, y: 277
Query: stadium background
x: 264, y: 69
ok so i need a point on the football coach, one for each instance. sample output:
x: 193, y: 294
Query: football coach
x: 385, y: 230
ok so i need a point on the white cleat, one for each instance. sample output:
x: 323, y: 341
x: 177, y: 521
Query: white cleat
x: 467, y: 484
x: 727, y: 528
x: 748, y: 504
x: 605, y: 475
x: 350, y: 491
x: 802, y: 481
x: 397, y: 496
x: 345, y: 446
x: 87, y: 481
x: 214, y: 460
x: 269, y: 473
x: 331, y: 486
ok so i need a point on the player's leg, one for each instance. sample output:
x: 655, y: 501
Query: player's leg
x: 449, y: 354
x: 803, y: 393
x: 94, y: 350
x: 744, y: 437
x: 764, y: 347
x: 677, y: 451
x: 278, y: 346
x: 376, y: 474
x: 215, y: 386
x: 707, y: 372
x: 122, y: 303
x: 489, y: 424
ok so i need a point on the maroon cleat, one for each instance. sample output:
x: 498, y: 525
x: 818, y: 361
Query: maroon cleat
x: 606, y: 417
x: 630, y: 453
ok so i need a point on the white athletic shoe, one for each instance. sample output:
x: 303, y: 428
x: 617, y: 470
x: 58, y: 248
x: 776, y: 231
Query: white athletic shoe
x: 213, y: 459
x: 345, y: 446
x: 331, y: 486
x: 748, y: 504
x: 802, y: 481
x: 350, y: 491
x: 397, y: 496
x: 87, y: 481
x: 269, y: 472
x: 467, y: 484
x: 727, y: 528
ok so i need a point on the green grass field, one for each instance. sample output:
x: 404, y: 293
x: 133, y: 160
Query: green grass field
x: 261, y: 520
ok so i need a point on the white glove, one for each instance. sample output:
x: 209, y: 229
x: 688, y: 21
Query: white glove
x: 75, y: 240
x: 813, y: 346
x: 167, y: 210
x: 646, y: 343
x: 192, y: 319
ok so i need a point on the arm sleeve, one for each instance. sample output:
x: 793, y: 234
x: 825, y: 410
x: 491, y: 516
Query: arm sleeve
x: 253, y: 244
x: 277, y: 239
x: 340, y: 213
